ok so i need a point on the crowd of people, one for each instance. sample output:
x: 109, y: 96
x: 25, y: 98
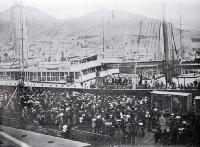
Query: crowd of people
x: 117, y: 82
x: 176, y: 129
x: 121, y: 116
x: 194, y: 85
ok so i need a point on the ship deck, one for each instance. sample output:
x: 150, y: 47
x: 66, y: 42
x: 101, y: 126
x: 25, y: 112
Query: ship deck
x: 39, y: 140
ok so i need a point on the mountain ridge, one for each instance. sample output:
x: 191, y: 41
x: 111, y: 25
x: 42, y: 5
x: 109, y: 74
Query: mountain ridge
x: 39, y: 22
x: 121, y: 29
x: 36, y: 20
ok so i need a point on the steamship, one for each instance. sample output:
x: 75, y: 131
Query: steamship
x: 75, y: 72
x: 80, y: 71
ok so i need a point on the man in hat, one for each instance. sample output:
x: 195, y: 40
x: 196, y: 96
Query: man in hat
x: 148, y: 121
x: 162, y: 121
x: 99, y: 124
x: 67, y: 131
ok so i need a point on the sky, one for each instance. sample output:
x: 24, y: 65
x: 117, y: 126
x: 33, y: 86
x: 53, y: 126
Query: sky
x: 63, y: 9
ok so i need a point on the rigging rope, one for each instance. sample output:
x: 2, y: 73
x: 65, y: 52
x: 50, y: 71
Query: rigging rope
x: 149, y: 35
x: 174, y: 43
x: 159, y: 38
x: 147, y: 30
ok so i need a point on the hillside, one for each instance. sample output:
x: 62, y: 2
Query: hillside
x: 36, y: 21
x: 85, y: 33
x: 119, y: 23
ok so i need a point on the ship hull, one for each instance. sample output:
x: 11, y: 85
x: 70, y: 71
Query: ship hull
x: 136, y: 92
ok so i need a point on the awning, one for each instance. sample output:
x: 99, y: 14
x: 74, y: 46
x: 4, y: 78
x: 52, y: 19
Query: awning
x: 170, y: 93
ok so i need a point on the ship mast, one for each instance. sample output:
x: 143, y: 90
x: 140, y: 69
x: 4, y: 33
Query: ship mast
x: 139, y: 37
x: 181, y: 49
x: 19, y: 91
x: 22, y: 40
x: 20, y: 86
x: 19, y: 35
x: 137, y: 54
x: 166, y: 47
x: 138, y: 44
x: 103, y: 39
